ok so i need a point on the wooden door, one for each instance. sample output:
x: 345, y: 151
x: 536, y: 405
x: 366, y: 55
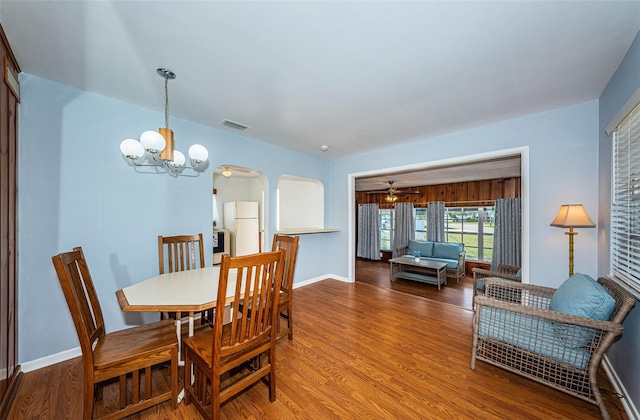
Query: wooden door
x: 9, y: 98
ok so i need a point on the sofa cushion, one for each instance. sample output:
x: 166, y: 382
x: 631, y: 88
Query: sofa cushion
x: 453, y: 264
x: 425, y: 248
x: 446, y: 250
x: 519, y: 273
x: 581, y: 295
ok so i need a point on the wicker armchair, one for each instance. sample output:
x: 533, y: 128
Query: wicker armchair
x: 556, y: 349
x: 505, y: 271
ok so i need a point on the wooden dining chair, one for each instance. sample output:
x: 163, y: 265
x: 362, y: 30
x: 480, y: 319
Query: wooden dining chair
x: 183, y: 252
x: 240, y: 344
x: 120, y: 354
x: 290, y: 245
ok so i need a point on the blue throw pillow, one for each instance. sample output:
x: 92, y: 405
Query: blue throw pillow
x: 581, y: 295
x: 519, y: 273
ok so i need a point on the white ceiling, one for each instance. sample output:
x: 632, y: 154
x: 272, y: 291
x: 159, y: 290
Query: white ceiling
x: 503, y: 167
x: 353, y: 75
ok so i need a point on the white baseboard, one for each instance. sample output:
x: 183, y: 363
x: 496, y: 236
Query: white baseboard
x: 51, y: 360
x: 317, y: 279
x: 627, y: 404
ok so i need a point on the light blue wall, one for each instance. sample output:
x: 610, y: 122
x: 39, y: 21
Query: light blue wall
x: 624, y: 355
x: 562, y: 160
x: 75, y: 189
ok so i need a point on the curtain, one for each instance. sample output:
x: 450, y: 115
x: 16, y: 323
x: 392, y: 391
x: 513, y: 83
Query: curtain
x: 507, y: 234
x: 368, y: 232
x: 404, y: 226
x: 435, y: 221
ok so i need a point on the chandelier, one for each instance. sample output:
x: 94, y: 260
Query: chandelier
x: 155, y: 148
x: 391, y: 198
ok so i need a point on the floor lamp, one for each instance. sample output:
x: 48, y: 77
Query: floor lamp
x: 570, y: 216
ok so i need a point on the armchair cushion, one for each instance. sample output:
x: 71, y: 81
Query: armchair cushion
x: 530, y: 333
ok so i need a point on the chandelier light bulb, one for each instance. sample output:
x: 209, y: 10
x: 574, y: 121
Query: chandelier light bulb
x: 153, y: 141
x: 198, y: 153
x: 131, y: 148
x: 178, y: 159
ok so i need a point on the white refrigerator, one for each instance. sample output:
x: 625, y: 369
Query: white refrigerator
x: 241, y: 218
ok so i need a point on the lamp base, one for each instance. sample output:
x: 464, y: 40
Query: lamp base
x: 571, y: 234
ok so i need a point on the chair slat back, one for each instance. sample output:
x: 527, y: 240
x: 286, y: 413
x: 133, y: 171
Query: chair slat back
x: 290, y: 246
x: 82, y: 299
x: 254, y: 304
x: 183, y: 252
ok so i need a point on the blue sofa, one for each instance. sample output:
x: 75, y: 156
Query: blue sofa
x: 447, y: 252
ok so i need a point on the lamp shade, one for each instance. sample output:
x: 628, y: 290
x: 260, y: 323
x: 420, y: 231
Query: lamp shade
x: 131, y: 148
x: 391, y: 198
x: 198, y: 153
x: 152, y: 141
x: 573, y: 215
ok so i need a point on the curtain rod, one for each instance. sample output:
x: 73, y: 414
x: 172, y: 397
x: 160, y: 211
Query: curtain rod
x: 447, y: 203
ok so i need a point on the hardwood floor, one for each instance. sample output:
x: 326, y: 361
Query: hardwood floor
x: 377, y: 273
x: 359, y: 352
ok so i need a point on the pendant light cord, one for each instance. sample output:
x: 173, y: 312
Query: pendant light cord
x: 166, y: 103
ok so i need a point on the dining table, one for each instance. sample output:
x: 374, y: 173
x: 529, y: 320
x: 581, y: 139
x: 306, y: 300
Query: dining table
x: 189, y: 291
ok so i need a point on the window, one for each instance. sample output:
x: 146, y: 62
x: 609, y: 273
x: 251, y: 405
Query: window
x: 625, y: 197
x: 420, y: 222
x: 386, y: 228
x: 386, y: 223
x: 472, y: 226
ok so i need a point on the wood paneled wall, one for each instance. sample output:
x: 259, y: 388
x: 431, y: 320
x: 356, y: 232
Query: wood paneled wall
x: 9, y: 98
x: 472, y: 193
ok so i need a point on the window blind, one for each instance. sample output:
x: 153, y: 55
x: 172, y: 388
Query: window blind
x: 625, y: 206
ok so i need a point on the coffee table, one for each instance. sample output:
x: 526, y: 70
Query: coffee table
x: 425, y: 271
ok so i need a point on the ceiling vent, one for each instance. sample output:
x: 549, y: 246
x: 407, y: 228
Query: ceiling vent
x: 234, y: 125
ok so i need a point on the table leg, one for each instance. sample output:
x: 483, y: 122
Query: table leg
x: 180, y: 361
x: 191, y: 324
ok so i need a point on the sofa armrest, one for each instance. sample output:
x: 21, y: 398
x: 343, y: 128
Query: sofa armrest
x: 402, y: 251
x: 461, y: 269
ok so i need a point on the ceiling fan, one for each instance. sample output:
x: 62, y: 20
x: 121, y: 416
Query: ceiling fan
x: 392, y: 193
x: 228, y: 170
